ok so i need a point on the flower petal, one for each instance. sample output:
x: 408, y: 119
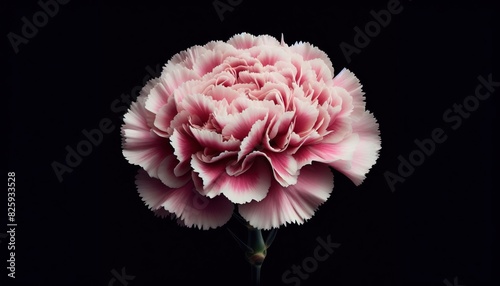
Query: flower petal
x: 169, y: 81
x: 309, y: 52
x: 327, y: 152
x: 167, y: 175
x: 347, y: 80
x: 366, y: 151
x: 141, y: 146
x: 210, y: 171
x: 242, y: 41
x: 220, y: 92
x: 214, y: 142
x: 188, y: 57
x: 306, y: 115
x: 285, y: 168
x: 247, y: 186
x: 165, y: 115
x: 242, y: 122
x: 253, y: 140
x: 186, y: 203
x: 266, y: 40
x: 183, y: 145
x: 293, y: 204
x: 199, y: 106
x: 152, y: 191
x: 270, y: 55
x: 207, y: 62
x: 322, y: 71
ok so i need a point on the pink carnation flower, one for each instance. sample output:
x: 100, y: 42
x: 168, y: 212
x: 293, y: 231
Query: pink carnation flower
x: 252, y: 123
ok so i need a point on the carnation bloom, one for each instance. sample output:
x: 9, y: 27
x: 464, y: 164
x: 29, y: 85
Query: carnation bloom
x: 250, y: 123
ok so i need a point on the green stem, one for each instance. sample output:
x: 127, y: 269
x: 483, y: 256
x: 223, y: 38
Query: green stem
x: 259, y: 251
x: 255, y: 275
x: 255, y: 249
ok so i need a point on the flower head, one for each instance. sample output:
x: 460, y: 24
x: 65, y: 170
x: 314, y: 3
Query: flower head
x: 252, y: 123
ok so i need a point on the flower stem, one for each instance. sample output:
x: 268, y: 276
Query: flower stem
x: 255, y: 280
x: 259, y: 251
x: 255, y: 249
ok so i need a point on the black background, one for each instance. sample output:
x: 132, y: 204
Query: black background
x: 436, y: 225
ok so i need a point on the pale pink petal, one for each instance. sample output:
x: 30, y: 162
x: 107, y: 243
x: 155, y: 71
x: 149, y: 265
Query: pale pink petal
x: 220, y: 92
x: 199, y: 211
x: 141, y: 146
x: 254, y: 139
x: 327, y: 152
x: 319, y: 92
x: 260, y: 78
x: 173, y: 78
x: 322, y: 71
x: 279, y: 93
x: 180, y: 120
x: 186, y: 203
x: 192, y: 87
x: 242, y: 123
x: 293, y: 204
x: 197, y: 182
x: 288, y: 70
x: 271, y: 55
x: 209, y: 169
x: 347, y: 80
x: 321, y: 125
x: 227, y: 50
x: 343, y: 150
x: 209, y: 173
x: 279, y: 130
x: 212, y: 45
x: 347, y: 106
x: 207, y: 62
x: 199, y: 106
x: 183, y: 146
x: 339, y: 128
x: 167, y: 176
x: 214, y: 142
x: 152, y: 191
x: 306, y: 115
x: 285, y: 167
x: 310, y: 52
x: 242, y: 41
x: 366, y: 152
x: 224, y: 78
x: 266, y: 40
x: 250, y: 185
x: 187, y: 58
x: 165, y: 115
x: 168, y: 83
x: 147, y: 88
x: 296, y: 142
x: 240, y: 62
